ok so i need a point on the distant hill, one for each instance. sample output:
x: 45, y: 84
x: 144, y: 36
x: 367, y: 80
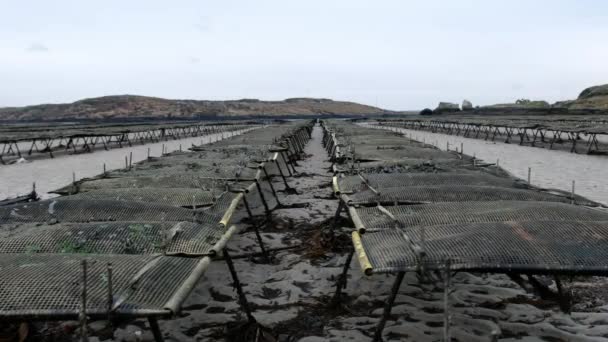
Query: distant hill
x: 139, y: 107
x: 591, y: 98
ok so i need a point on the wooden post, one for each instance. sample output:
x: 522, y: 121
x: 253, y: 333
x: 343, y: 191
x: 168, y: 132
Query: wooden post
x: 529, y: 175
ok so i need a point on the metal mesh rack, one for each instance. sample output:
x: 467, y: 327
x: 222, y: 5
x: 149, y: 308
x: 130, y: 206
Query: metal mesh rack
x: 170, y: 238
x: 512, y: 246
x: 50, y: 284
x: 422, y: 215
x: 180, y: 197
x: 360, y: 182
x: 146, y: 221
x: 454, y: 193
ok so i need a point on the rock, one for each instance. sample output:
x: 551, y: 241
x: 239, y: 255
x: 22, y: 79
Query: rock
x: 426, y: 111
x: 466, y: 105
x: 447, y: 107
x: 601, y: 90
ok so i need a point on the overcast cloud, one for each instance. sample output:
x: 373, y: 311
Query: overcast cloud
x: 396, y: 54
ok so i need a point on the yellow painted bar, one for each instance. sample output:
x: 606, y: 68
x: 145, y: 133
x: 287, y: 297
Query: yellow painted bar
x: 335, y: 185
x: 366, y: 266
x: 228, y: 214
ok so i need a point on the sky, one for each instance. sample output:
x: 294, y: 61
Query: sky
x: 398, y: 55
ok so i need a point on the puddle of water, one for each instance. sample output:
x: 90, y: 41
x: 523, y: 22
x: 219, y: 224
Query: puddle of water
x: 51, y: 174
x: 550, y: 168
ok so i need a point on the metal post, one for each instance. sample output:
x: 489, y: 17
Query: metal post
x: 257, y: 184
x: 104, y: 169
x: 110, y: 297
x: 529, y: 175
x: 288, y: 162
x: 82, y: 316
x: 158, y: 336
x: 388, y: 306
x: 446, y: 303
x: 237, y: 285
x: 287, y: 187
x: 337, y: 216
x: 274, y: 193
x: 341, y: 284
x: 256, y: 229
x: 148, y: 153
x: 130, y: 159
x: 462, y: 149
x: 573, y: 184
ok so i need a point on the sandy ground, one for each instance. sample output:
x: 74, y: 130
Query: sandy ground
x: 290, y: 294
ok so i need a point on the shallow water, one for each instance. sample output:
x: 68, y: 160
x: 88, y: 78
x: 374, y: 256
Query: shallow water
x: 51, y: 174
x: 550, y: 168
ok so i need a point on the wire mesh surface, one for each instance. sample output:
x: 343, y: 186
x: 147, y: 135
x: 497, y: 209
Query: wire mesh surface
x: 539, y: 246
x: 472, y: 212
x: 183, y: 180
x: 181, y: 197
x: 50, y: 284
x: 73, y: 210
x: 186, y: 238
x: 409, y: 165
x: 371, y: 152
x: 356, y: 183
x: 453, y: 193
x: 217, y: 170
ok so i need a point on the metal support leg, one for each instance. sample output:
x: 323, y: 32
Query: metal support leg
x: 256, y: 229
x: 564, y: 299
x: 257, y: 184
x: 286, y: 163
x: 287, y: 187
x: 388, y: 307
x: 237, y: 284
x: 158, y: 336
x: 337, y: 216
x: 447, y: 317
x: 291, y: 159
x: 341, y: 284
x: 274, y: 193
